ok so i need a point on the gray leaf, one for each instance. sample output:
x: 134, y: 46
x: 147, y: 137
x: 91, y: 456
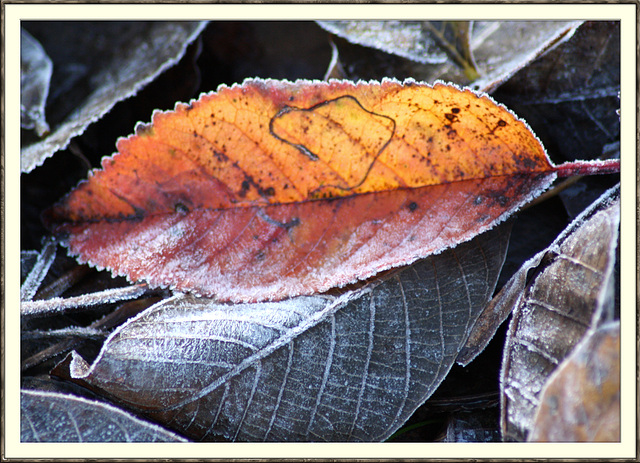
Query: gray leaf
x: 570, y: 95
x: 55, y: 417
x: 35, y: 75
x: 127, y: 58
x: 514, y: 44
x: 347, y: 367
x: 408, y: 39
x: 499, y: 49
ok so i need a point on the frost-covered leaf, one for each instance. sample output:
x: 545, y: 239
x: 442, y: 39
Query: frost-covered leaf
x: 349, y: 367
x: 112, y: 62
x: 409, y: 39
x: 581, y: 400
x: 35, y: 75
x: 512, y: 45
x: 571, y: 291
x: 36, y: 271
x: 497, y: 48
x: 274, y: 189
x: 571, y: 94
x: 54, y: 417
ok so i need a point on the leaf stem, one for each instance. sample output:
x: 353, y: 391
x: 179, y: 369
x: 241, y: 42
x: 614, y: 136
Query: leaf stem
x: 595, y: 167
x: 57, y: 304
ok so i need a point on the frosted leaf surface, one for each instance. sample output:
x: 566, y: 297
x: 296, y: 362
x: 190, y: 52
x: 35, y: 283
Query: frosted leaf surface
x: 35, y: 76
x: 570, y: 295
x: 499, y: 49
x: 35, y: 273
x: 55, y: 417
x: 349, y: 367
x: 121, y: 62
x: 408, y: 39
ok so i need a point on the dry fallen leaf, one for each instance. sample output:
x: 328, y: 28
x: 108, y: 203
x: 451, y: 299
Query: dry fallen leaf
x: 54, y: 417
x: 494, y: 49
x: 410, y: 39
x: 123, y: 58
x: 351, y: 367
x: 581, y: 400
x: 35, y: 75
x: 274, y: 189
x: 570, y: 292
x: 571, y: 94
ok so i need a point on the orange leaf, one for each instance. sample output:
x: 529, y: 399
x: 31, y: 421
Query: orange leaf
x: 272, y: 189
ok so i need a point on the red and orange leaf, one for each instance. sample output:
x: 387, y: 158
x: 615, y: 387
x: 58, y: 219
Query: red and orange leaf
x: 272, y: 189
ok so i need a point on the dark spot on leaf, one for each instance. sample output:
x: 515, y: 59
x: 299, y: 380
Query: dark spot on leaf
x: 451, y: 117
x: 244, y: 187
x: 268, y: 192
x: 220, y: 156
x: 499, y: 198
x: 525, y: 161
x: 455, y: 110
x: 413, y: 206
x: 292, y: 223
x: 502, y: 123
x: 181, y: 208
x: 478, y: 200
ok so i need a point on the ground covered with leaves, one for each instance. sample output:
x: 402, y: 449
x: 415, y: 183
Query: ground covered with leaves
x: 499, y: 337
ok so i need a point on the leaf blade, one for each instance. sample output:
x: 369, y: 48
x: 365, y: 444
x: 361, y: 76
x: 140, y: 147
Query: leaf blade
x: 273, y: 178
x: 351, y: 368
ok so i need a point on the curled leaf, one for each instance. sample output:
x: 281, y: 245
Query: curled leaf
x: 35, y: 76
x: 119, y: 57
